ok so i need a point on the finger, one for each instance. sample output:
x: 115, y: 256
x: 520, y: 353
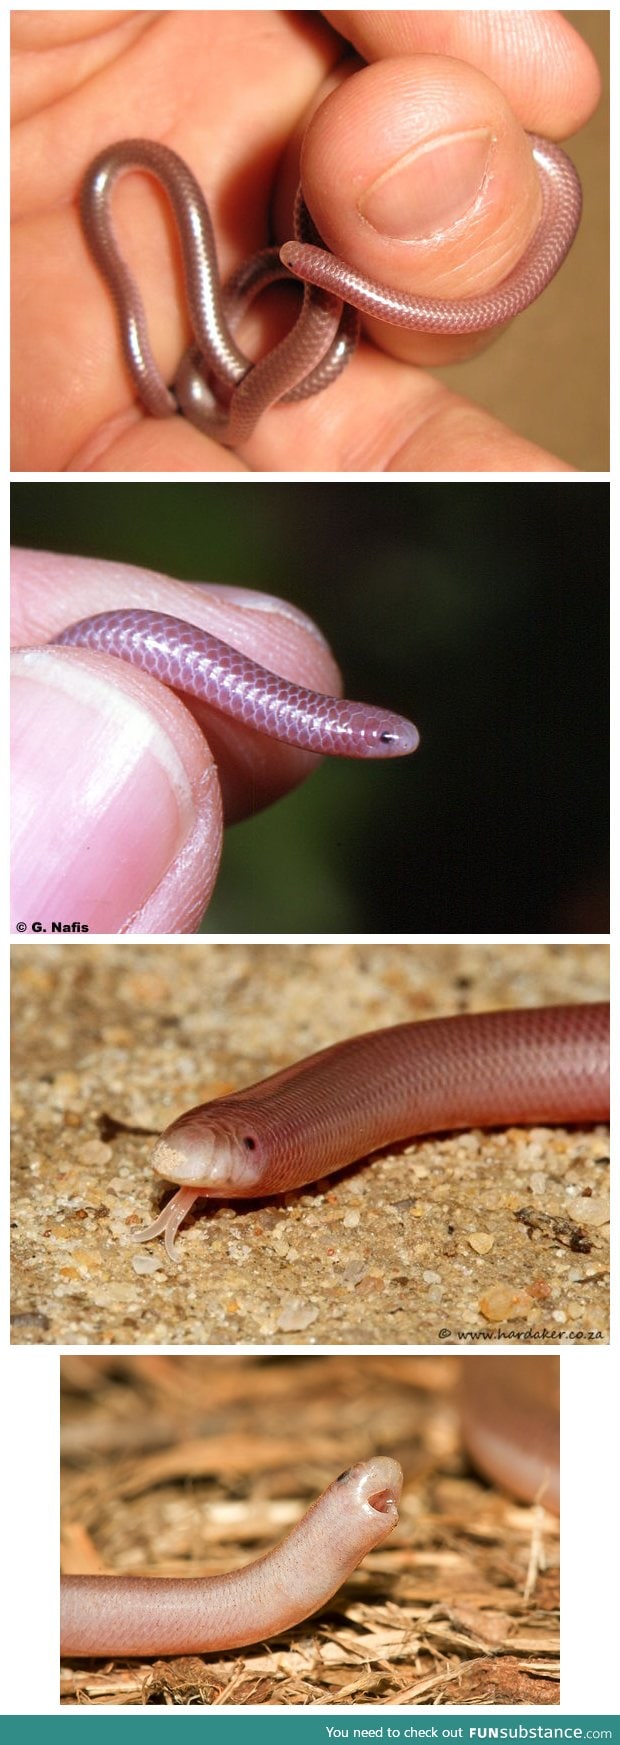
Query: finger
x: 51, y: 591
x: 384, y: 416
x: 545, y: 70
x: 134, y: 443
x: 417, y: 173
x: 116, y: 805
x: 222, y: 90
x: 75, y: 374
x: 87, y: 418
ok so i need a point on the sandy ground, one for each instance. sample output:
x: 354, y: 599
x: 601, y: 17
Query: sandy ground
x: 424, y: 1244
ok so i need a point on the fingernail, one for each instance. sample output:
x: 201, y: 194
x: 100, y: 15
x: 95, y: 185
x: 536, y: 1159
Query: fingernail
x: 254, y: 600
x: 104, y: 807
x: 428, y: 189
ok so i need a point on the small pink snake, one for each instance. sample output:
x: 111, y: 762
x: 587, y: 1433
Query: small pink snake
x: 120, y: 1615
x: 483, y: 1069
x: 216, y: 386
x: 510, y: 1426
x: 194, y: 662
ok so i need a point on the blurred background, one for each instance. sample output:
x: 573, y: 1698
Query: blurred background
x: 481, y: 611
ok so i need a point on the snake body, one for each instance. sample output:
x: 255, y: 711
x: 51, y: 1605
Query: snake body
x: 217, y: 387
x: 482, y: 1069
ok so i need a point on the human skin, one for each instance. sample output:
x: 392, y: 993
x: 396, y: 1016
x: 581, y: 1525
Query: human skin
x: 216, y: 385
x: 137, y: 849
x: 232, y: 93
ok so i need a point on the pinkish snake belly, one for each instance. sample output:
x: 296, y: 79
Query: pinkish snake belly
x: 126, y: 1615
x: 217, y: 386
x: 200, y: 665
x: 539, y: 1064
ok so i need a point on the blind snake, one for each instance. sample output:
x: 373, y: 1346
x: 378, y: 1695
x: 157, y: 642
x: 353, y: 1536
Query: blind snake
x: 217, y: 387
x: 193, y: 661
x: 538, y: 1064
x: 510, y: 1426
x: 125, y: 1615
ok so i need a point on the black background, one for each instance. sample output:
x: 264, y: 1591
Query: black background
x: 481, y: 610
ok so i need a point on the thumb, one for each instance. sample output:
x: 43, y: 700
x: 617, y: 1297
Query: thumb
x: 117, y: 823
x: 417, y: 172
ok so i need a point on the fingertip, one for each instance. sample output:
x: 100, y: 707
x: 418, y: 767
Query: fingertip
x: 548, y: 73
x: 50, y: 591
x: 179, y: 901
x: 114, y: 787
x: 255, y: 600
x: 418, y: 173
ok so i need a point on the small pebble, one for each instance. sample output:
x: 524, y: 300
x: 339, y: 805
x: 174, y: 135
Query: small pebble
x: 351, y: 1220
x: 296, y: 1317
x: 469, y: 1142
x: 481, y: 1241
x: 144, y: 1264
x: 594, y: 1212
x: 109, y: 1294
x: 65, y: 1086
x: 94, y: 1151
x: 502, y: 1304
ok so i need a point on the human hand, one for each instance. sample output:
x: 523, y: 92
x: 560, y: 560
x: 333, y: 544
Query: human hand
x: 232, y: 93
x: 120, y: 787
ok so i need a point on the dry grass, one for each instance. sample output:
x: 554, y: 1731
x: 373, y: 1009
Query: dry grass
x: 191, y: 1465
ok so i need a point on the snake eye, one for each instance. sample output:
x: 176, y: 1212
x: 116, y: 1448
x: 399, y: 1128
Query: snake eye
x: 387, y: 738
x: 249, y: 1142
